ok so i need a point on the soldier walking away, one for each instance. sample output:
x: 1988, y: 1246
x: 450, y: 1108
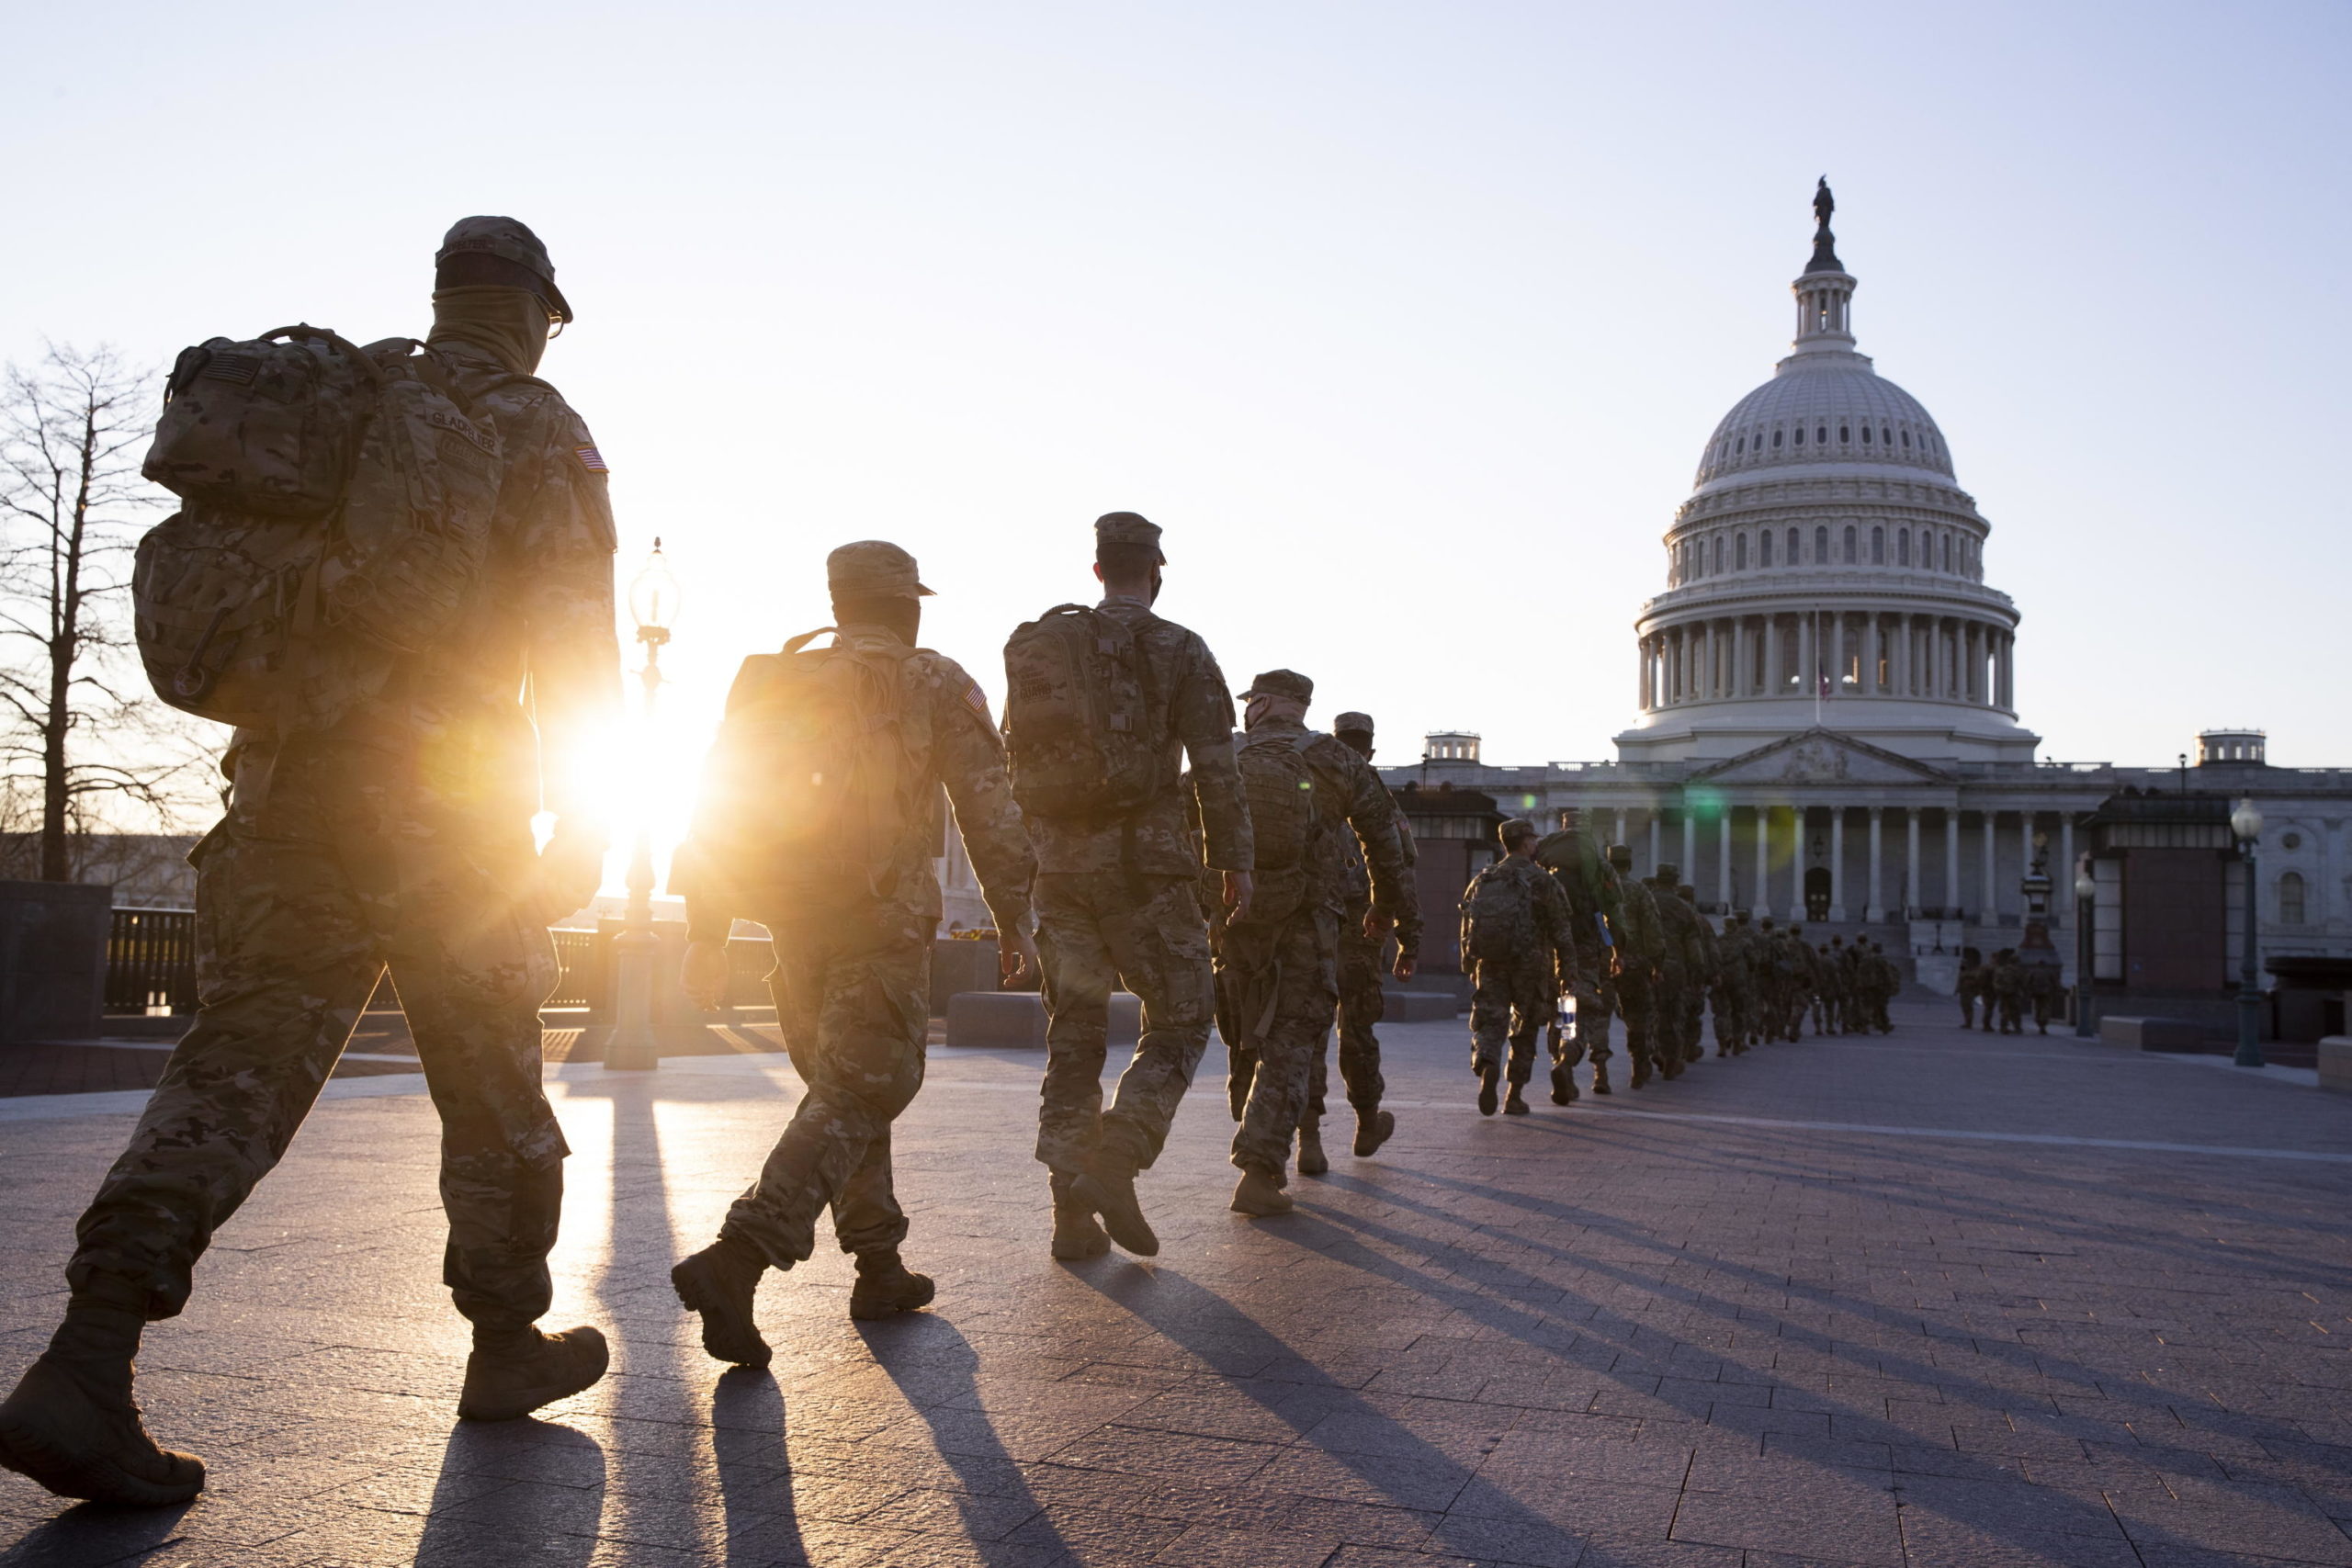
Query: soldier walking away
x: 1683, y: 975
x: 1711, y: 976
x: 1277, y: 967
x: 1103, y: 707
x: 2045, y: 978
x: 1889, y: 981
x: 1639, y: 981
x: 1971, y: 987
x: 818, y: 819
x: 1596, y: 906
x: 1363, y: 934
x: 2007, y: 982
x: 382, y: 783
x: 1736, y: 987
x: 1517, y: 934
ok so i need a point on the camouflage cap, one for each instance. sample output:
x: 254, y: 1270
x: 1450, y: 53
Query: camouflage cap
x: 1667, y: 874
x: 511, y: 239
x: 1514, y: 829
x: 1352, y: 723
x: 1127, y: 528
x: 1622, y: 856
x: 1283, y: 684
x: 874, y: 567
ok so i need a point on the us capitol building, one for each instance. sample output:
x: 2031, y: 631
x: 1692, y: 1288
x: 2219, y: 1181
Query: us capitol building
x: 1827, y: 722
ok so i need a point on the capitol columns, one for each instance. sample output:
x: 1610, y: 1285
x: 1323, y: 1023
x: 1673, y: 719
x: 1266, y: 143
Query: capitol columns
x: 1761, y: 900
x: 1722, y: 858
x: 1838, y: 861
x: 1872, y: 910
x: 1911, y: 899
x: 1951, y: 861
x: 1992, y: 904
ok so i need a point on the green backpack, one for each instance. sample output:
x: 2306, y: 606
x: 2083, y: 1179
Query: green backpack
x: 1498, y: 914
x: 339, y: 508
x: 1285, y: 820
x: 808, y: 796
x: 1082, y: 723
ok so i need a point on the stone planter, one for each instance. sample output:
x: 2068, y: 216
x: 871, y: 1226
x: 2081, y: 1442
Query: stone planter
x: 53, y: 960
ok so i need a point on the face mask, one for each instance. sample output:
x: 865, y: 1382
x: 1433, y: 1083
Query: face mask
x: 509, y: 324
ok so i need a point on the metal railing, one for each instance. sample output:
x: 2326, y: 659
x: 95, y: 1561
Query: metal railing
x: 151, y: 961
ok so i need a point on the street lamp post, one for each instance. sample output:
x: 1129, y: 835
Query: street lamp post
x: 2085, y: 911
x: 652, y: 605
x: 2245, y: 822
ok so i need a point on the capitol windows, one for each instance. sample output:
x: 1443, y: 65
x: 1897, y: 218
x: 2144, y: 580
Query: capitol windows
x: 1764, y: 547
x: 1820, y: 546
x: 1776, y: 438
x: 1844, y: 436
x: 1740, y: 445
x: 2291, y: 899
x: 1866, y: 436
x: 1793, y: 536
x: 1739, y: 552
x: 1878, y: 546
x: 1719, y: 554
x: 1800, y: 435
x: 1850, y: 544
x: 1907, y: 439
x: 1946, y: 552
x: 1821, y: 437
x: 1902, y: 547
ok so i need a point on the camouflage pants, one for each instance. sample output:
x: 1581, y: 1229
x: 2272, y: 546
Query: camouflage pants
x: 1094, y: 929
x: 1360, y: 1007
x: 854, y: 1004
x: 1734, y: 1012
x: 301, y: 903
x: 1596, y: 1005
x: 1672, y: 1002
x: 1509, y: 1004
x: 1637, y: 1003
x: 1276, y: 987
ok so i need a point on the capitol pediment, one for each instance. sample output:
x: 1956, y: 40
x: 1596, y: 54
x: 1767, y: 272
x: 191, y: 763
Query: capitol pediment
x: 1819, y: 756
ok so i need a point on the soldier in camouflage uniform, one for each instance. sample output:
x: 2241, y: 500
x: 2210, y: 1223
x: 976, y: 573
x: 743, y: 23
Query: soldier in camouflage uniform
x: 1597, y: 907
x: 1682, y: 970
x: 852, y: 972
x: 1641, y: 954
x: 1805, y: 971
x: 1517, y: 934
x: 401, y: 836
x: 1117, y: 904
x: 1736, y: 987
x: 1711, y: 968
x: 1277, y: 970
x: 1363, y: 936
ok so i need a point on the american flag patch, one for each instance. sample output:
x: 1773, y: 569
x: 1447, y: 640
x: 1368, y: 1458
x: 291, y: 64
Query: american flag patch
x: 979, y: 701
x: 591, y: 459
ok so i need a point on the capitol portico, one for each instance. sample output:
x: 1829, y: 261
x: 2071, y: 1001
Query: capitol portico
x: 1827, y: 715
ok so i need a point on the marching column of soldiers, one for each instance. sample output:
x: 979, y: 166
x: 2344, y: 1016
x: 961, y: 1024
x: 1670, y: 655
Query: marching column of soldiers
x: 380, y: 790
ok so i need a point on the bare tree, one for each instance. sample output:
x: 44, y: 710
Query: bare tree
x: 78, y: 732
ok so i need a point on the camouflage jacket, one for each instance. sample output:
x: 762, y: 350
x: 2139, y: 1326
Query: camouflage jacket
x: 1199, y: 723
x: 1590, y: 882
x: 1361, y: 820
x: 1356, y: 876
x: 1644, y: 938
x: 508, y: 713
x: 1685, y: 946
x: 1552, y: 941
x: 947, y: 739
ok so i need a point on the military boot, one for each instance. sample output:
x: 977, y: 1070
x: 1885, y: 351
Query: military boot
x: 1077, y: 1234
x: 886, y: 1286
x: 1260, y: 1196
x: 1564, y: 1085
x: 1311, y: 1160
x: 1601, y: 1078
x: 1513, y: 1104
x: 71, y: 1426
x: 510, y: 1374
x: 1641, y: 1074
x: 1109, y: 1190
x: 1489, y: 1077
x: 719, y: 1282
x: 1373, y: 1128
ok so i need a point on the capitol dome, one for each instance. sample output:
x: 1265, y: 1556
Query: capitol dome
x: 1827, y: 569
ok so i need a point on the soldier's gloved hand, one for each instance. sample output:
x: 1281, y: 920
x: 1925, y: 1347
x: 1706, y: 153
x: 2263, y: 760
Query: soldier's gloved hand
x: 570, y: 869
x: 1016, y: 959
x: 1238, y: 888
x: 702, y: 975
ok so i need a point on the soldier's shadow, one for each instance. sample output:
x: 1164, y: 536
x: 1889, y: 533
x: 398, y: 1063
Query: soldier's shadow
x: 525, y: 1491
x: 93, y: 1532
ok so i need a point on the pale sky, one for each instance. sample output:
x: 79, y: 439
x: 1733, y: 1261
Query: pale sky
x: 1407, y: 322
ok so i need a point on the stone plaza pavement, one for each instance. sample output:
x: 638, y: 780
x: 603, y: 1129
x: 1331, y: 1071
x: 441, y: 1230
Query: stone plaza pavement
x: 1934, y: 1299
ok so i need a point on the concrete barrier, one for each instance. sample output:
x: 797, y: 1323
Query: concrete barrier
x: 2153, y: 1034
x: 1016, y: 1019
x: 2335, y: 1061
x: 1418, y: 1007
x: 53, y: 960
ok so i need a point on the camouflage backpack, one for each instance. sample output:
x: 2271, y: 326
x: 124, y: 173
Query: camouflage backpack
x: 1080, y: 720
x: 1498, y: 914
x: 339, y: 503
x: 806, y: 795
x: 1283, y: 822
